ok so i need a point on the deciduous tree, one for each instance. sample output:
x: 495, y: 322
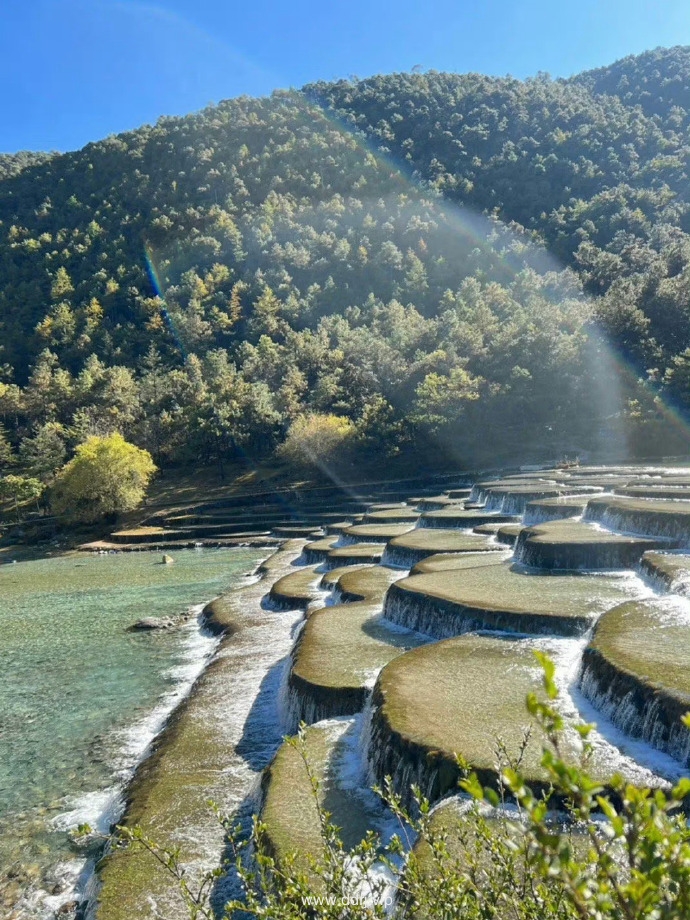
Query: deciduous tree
x: 106, y: 476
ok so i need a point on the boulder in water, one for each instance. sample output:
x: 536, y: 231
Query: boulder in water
x: 167, y: 560
x: 149, y: 623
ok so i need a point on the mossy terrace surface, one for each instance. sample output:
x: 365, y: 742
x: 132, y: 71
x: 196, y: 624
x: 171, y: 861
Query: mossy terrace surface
x: 317, y: 550
x: 460, y: 518
x: 355, y: 554
x: 569, y: 545
x: 670, y: 571
x: 555, y: 509
x: 169, y: 795
x: 488, y: 530
x: 435, y: 502
x: 508, y: 534
x: 637, y: 670
x: 339, y: 526
x: 419, y: 543
x: 374, y: 533
x: 513, y: 499
x: 341, y: 648
x: 649, y: 638
x: 289, y: 530
x: 329, y: 578
x: 655, y: 491
x: 455, y: 820
x: 513, y: 482
x: 502, y: 597
x: 456, y: 697
x: 295, y: 590
x: 289, y: 806
x: 431, y: 699
x: 365, y: 583
x: 662, y: 518
x: 605, y: 483
x: 442, y: 562
x: 459, y: 494
x: 391, y: 516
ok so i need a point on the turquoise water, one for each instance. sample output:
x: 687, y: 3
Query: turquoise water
x: 80, y: 696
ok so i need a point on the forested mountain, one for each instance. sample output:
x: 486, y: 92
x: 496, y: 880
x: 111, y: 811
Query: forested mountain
x: 13, y: 163
x: 488, y: 265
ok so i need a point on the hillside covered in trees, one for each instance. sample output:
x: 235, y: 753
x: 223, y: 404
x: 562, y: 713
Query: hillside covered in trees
x: 456, y: 264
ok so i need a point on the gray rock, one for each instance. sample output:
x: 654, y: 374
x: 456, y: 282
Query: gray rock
x: 148, y: 623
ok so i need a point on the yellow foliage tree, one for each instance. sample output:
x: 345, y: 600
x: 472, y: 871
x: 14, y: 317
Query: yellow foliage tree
x: 106, y: 476
x: 317, y: 439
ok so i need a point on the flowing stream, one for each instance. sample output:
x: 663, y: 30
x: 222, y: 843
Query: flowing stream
x: 81, y: 697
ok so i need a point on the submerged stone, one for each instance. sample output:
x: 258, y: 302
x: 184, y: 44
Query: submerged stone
x: 150, y: 623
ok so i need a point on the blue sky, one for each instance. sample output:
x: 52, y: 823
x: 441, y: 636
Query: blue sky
x: 72, y: 71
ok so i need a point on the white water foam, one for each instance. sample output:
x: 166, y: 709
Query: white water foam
x: 641, y: 763
x: 246, y: 716
x: 100, y: 809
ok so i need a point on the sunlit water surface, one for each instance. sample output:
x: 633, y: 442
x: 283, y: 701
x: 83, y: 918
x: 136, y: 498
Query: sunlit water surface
x: 80, y: 695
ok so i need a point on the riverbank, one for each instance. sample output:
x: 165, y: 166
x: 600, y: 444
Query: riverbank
x: 213, y: 747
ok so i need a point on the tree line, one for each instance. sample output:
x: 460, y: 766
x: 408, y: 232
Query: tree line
x: 454, y: 266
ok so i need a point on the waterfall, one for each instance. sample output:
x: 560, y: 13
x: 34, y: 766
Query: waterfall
x: 554, y: 512
x: 586, y: 556
x: 638, y: 709
x: 310, y: 703
x: 389, y: 755
x: 441, y: 618
x: 669, y: 525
